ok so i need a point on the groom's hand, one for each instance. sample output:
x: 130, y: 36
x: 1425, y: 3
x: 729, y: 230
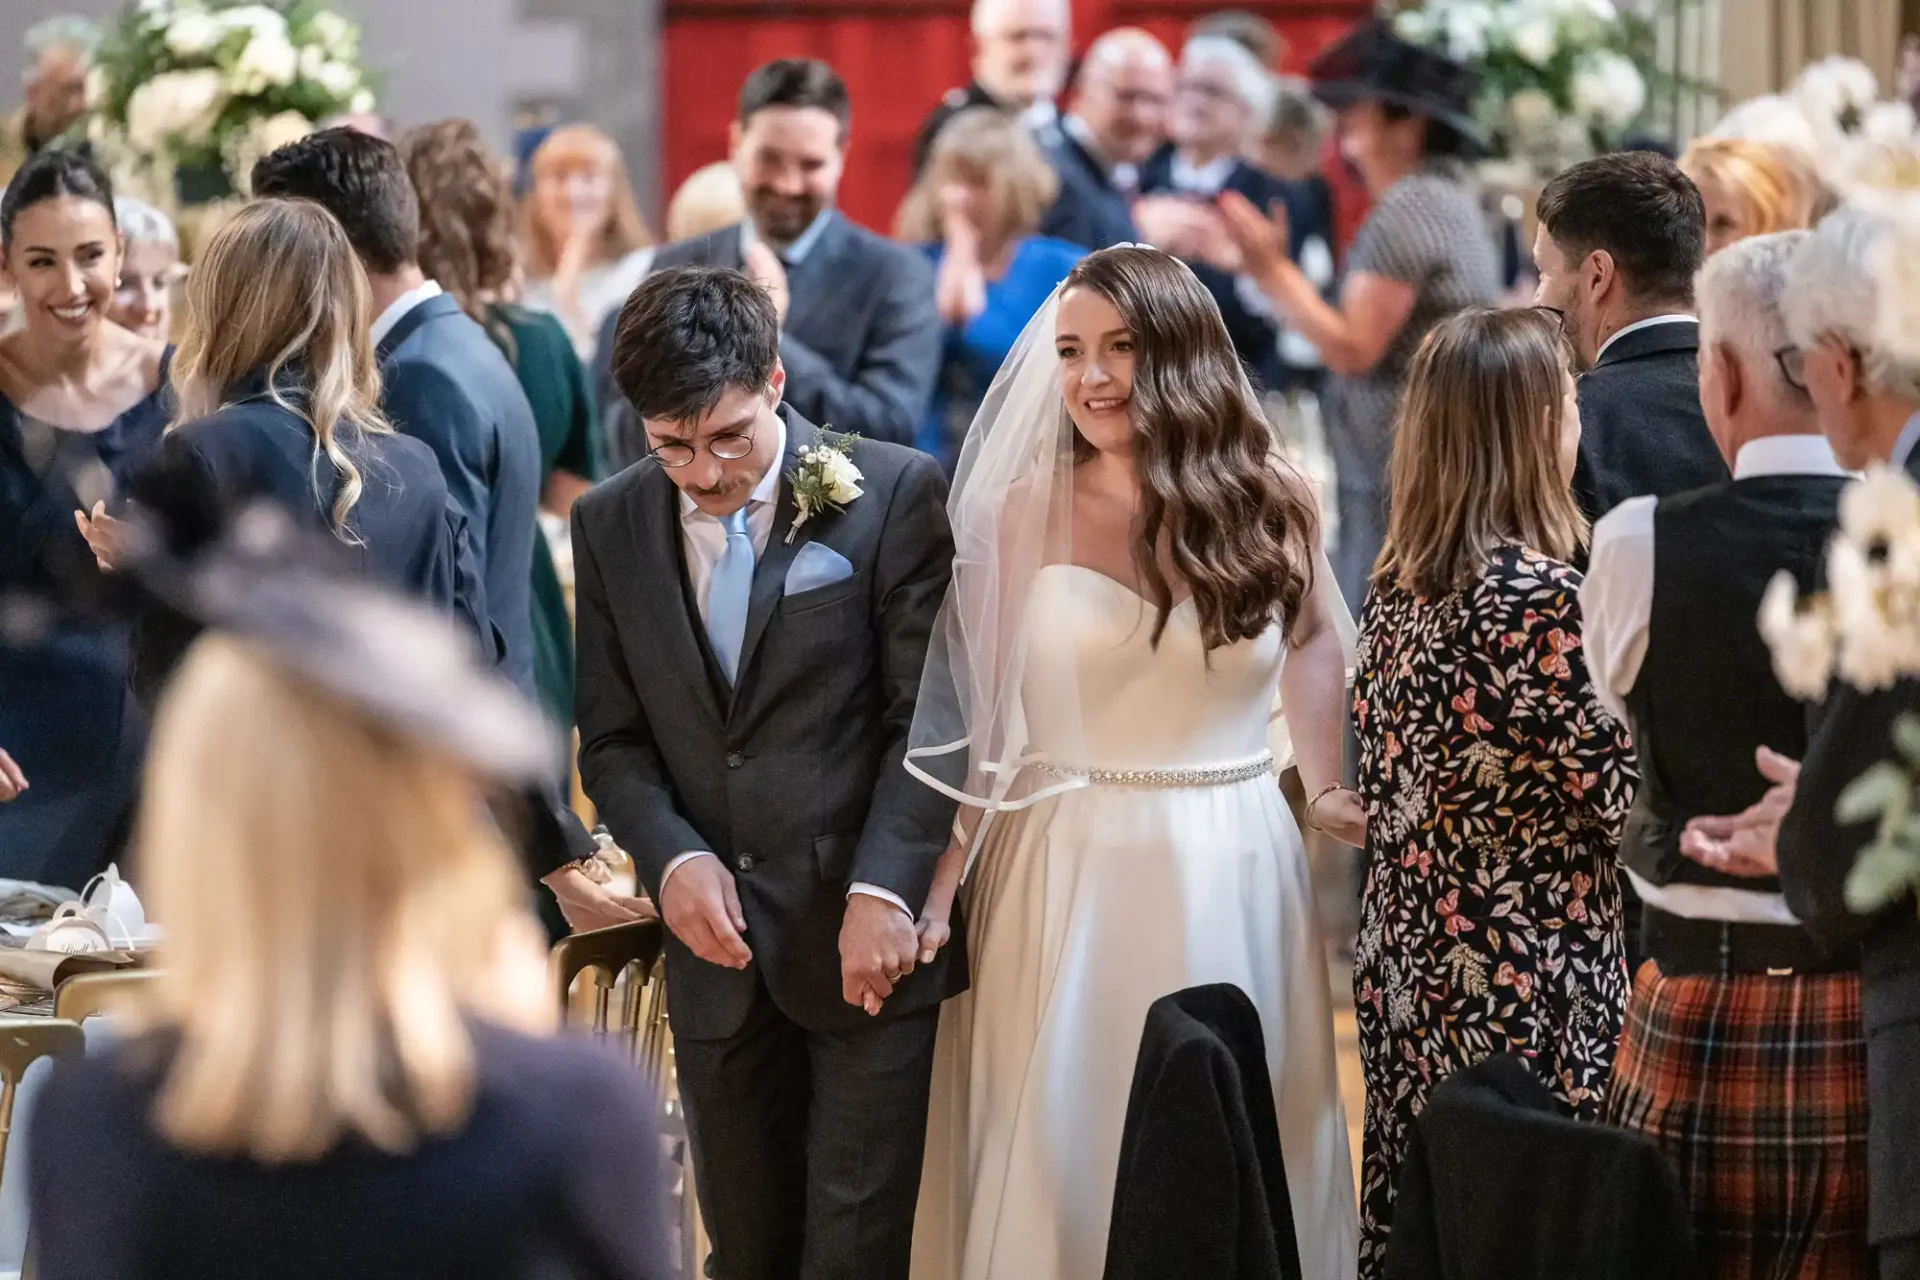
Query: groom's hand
x: 878, y: 945
x: 701, y: 906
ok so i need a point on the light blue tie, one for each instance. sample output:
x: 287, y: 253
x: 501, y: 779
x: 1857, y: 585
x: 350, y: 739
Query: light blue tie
x: 728, y: 593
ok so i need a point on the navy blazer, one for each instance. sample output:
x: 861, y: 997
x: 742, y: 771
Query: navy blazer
x: 1641, y: 428
x: 446, y: 384
x: 408, y: 535
x: 862, y: 346
x: 1089, y: 211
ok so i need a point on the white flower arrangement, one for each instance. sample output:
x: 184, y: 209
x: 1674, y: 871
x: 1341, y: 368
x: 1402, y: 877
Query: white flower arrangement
x: 1559, y: 79
x: 825, y: 480
x: 1865, y: 630
x: 1834, y: 118
x: 207, y: 85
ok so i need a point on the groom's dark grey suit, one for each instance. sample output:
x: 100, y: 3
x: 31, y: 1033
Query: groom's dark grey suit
x: 807, y: 1116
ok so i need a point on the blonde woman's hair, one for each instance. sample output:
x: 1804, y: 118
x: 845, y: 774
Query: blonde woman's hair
x: 279, y: 288
x: 988, y: 146
x: 334, y: 901
x: 1778, y: 189
x: 708, y: 200
x: 1476, y: 451
x: 580, y: 146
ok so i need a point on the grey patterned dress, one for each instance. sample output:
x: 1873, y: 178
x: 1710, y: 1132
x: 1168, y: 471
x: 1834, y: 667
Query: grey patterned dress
x: 1427, y: 231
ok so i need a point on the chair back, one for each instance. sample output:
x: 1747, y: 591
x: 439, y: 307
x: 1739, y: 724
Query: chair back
x: 85, y: 994
x: 631, y: 951
x: 24, y: 1040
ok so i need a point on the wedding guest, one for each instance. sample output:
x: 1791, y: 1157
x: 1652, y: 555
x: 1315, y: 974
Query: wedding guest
x: 585, y: 243
x: 149, y: 269
x: 467, y: 245
x: 1423, y: 253
x: 975, y: 208
x: 1250, y: 31
x: 1020, y: 50
x: 1748, y: 188
x: 346, y: 1067
x: 1222, y: 99
x: 1496, y: 782
x: 59, y: 56
x: 82, y: 404
x: 1119, y: 118
x: 1743, y: 1053
x: 1290, y: 150
x: 1620, y: 239
x: 1859, y: 364
x: 860, y: 335
x: 443, y: 381
x: 279, y: 399
x: 708, y: 200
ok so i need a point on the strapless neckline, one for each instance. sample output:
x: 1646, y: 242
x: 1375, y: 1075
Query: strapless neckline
x: 1113, y: 582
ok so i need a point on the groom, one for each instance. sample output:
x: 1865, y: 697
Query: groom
x: 746, y: 681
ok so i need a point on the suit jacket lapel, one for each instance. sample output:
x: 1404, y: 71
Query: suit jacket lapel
x: 657, y: 537
x: 1655, y: 339
x: 770, y: 574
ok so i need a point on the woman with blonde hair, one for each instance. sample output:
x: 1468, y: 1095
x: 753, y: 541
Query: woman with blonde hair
x: 975, y: 208
x: 708, y: 200
x: 279, y: 399
x: 585, y: 243
x: 342, y: 1069
x: 1495, y: 782
x: 1750, y: 188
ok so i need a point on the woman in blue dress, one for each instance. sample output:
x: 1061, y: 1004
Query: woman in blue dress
x: 975, y: 208
x: 83, y: 402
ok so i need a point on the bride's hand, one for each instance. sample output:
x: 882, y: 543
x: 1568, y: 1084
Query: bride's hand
x: 935, y: 932
x: 1341, y: 815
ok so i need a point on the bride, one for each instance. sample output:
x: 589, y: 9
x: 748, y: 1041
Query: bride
x: 1136, y: 572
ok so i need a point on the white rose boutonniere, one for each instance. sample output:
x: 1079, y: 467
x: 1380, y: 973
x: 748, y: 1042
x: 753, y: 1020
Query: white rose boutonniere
x: 825, y: 480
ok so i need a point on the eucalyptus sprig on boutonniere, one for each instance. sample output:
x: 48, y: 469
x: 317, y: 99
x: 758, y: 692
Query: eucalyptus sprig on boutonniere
x: 826, y: 479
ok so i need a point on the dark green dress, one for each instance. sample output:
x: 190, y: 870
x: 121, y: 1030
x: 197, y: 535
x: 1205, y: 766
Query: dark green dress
x: 556, y: 385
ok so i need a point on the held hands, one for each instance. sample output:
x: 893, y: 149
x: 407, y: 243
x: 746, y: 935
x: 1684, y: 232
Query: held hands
x: 878, y: 947
x: 1743, y: 844
x: 1261, y: 238
x: 1341, y: 815
x: 702, y: 907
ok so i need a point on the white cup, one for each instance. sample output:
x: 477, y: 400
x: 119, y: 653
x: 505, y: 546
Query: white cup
x: 112, y: 904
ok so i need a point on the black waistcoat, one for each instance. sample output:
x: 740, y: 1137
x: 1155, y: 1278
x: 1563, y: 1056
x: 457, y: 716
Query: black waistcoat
x: 1706, y: 696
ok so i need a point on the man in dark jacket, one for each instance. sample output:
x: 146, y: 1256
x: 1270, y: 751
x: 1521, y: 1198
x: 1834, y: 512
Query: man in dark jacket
x: 1119, y: 118
x: 1867, y: 392
x: 1620, y: 238
x: 1019, y: 65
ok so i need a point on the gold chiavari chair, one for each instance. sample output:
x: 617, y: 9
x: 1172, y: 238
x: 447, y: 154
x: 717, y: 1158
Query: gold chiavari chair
x: 85, y: 994
x: 632, y: 952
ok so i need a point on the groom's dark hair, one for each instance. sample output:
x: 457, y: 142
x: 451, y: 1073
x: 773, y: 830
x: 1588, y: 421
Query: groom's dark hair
x: 690, y: 334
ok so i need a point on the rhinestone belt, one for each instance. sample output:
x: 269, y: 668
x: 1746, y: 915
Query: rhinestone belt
x: 1211, y: 776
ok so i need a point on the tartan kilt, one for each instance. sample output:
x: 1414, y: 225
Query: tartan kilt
x: 1756, y: 1088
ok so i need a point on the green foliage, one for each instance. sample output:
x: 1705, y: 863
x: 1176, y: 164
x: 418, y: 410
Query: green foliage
x: 1888, y: 869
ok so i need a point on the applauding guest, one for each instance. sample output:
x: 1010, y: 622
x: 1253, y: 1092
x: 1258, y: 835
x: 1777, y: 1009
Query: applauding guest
x: 1422, y: 254
x: 279, y: 399
x: 340, y: 1078
x: 975, y: 207
x: 585, y: 243
x: 1496, y: 782
x: 860, y: 335
x: 149, y: 269
x: 82, y: 404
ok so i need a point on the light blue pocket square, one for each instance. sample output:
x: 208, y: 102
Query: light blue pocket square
x: 814, y: 566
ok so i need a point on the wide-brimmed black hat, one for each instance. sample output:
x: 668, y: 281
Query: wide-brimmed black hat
x: 1372, y: 64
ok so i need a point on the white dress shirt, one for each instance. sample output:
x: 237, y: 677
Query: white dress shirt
x: 1616, y: 609
x: 1675, y: 317
x: 397, y: 310
x: 1124, y: 177
x: 703, y: 539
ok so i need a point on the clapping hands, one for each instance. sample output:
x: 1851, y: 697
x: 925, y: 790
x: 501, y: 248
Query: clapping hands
x: 103, y: 533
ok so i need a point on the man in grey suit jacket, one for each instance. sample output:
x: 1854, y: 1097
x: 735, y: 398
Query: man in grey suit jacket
x: 861, y: 341
x: 746, y: 682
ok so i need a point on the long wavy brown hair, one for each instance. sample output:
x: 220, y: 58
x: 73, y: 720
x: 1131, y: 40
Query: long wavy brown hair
x: 466, y: 213
x: 1476, y: 451
x: 1235, y: 520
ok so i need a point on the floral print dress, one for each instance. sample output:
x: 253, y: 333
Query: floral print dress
x: 1496, y: 786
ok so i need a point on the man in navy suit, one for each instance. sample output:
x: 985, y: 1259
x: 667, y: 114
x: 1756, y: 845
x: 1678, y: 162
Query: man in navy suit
x: 444, y: 382
x: 1119, y: 119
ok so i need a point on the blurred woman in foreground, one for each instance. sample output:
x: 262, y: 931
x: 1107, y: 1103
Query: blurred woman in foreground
x: 342, y: 1075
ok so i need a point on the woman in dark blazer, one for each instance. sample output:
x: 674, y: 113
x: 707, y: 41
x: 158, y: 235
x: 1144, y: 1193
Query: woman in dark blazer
x: 278, y: 395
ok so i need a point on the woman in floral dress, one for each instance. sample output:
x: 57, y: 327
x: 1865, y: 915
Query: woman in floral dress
x: 1495, y: 782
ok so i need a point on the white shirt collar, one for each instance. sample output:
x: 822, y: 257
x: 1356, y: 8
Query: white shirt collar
x: 1122, y: 176
x: 1797, y: 455
x: 1206, y: 179
x: 794, y: 252
x: 768, y: 490
x: 397, y: 309
x: 1673, y: 318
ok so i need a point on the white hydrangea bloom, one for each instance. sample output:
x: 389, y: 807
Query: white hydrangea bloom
x: 193, y: 32
x: 176, y: 103
x: 1608, y: 88
x: 1535, y: 36
x: 268, y: 61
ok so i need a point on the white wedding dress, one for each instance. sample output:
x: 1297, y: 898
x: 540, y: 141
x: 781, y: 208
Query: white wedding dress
x: 1090, y: 905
